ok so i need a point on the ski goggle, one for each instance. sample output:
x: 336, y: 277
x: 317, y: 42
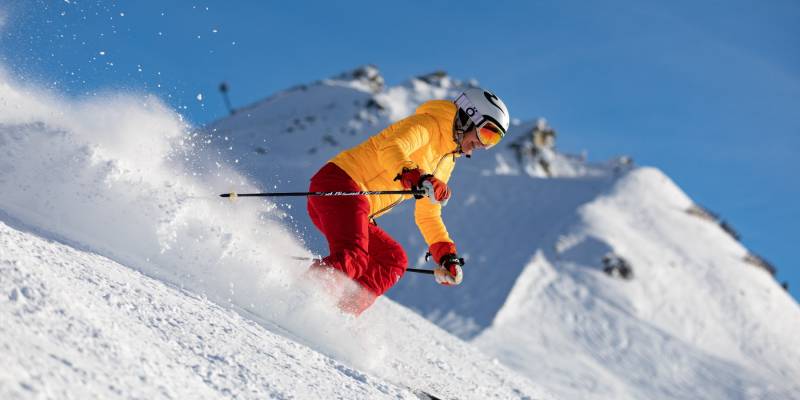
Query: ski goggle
x: 489, y: 134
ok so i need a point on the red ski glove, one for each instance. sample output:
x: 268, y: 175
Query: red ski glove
x: 436, y: 190
x: 440, y: 249
x: 409, y: 178
x: 449, y: 272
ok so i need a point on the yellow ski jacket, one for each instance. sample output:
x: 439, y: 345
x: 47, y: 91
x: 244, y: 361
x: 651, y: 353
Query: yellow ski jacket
x: 424, y: 140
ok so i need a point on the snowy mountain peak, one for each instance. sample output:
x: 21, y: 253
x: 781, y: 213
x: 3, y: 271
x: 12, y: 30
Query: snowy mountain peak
x: 367, y: 76
x: 436, y: 78
x: 440, y: 79
x: 646, y: 292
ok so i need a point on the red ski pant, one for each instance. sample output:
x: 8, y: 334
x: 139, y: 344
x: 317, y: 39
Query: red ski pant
x: 360, y: 249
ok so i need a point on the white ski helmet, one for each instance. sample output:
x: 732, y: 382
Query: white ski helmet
x: 481, y: 105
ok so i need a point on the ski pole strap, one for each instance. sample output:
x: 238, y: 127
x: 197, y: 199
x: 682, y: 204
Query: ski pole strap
x: 234, y: 195
x: 452, y: 259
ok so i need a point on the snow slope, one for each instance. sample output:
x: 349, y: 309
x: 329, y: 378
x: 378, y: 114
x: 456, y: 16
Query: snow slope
x: 79, y: 325
x: 695, y: 321
x: 97, y: 189
x: 123, y: 274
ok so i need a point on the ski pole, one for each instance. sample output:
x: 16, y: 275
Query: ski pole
x: 420, y: 271
x: 233, y: 195
x: 417, y: 270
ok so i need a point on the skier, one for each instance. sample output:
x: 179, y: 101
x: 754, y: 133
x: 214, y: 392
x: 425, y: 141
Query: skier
x: 418, y: 152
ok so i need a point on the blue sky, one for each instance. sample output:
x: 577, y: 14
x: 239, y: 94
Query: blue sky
x: 708, y: 91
